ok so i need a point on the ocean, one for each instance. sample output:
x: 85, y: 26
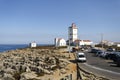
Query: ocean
x: 7, y: 47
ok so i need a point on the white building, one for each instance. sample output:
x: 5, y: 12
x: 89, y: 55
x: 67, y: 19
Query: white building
x: 60, y: 42
x: 117, y: 44
x: 108, y: 43
x: 72, y: 33
x: 33, y: 44
x: 83, y: 42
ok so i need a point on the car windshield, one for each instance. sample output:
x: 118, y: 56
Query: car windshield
x: 99, y: 52
x: 81, y: 56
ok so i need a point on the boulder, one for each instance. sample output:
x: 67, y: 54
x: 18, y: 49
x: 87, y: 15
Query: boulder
x: 8, y: 77
x: 9, y: 71
x: 28, y: 69
x: 28, y: 75
x: 64, y: 60
x: 24, y: 67
x: 63, y: 71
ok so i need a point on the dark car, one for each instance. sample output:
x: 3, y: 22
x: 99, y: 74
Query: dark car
x: 95, y: 50
x: 110, y: 49
x: 110, y: 56
x: 115, y: 57
x: 118, y: 61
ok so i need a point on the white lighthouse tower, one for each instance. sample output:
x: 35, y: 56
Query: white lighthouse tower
x: 72, y: 33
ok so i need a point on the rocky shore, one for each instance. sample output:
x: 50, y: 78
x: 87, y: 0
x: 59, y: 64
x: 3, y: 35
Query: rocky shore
x: 37, y: 64
x: 42, y: 64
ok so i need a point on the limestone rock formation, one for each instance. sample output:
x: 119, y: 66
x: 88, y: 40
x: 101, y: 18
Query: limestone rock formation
x: 31, y: 63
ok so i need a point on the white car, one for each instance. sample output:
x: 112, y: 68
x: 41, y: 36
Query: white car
x: 81, y: 57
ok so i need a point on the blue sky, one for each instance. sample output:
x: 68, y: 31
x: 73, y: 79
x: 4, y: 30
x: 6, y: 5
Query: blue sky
x: 24, y: 21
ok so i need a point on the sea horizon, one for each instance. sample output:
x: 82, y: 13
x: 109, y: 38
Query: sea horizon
x: 8, y: 47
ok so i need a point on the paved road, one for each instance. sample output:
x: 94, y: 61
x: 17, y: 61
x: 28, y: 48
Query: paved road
x: 101, y: 67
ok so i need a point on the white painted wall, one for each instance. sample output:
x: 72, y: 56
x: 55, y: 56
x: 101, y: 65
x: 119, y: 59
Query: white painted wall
x: 33, y: 44
x: 60, y: 42
x: 72, y: 33
x: 118, y: 45
x: 85, y: 43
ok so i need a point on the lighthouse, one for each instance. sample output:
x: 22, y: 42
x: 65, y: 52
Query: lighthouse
x: 72, y: 33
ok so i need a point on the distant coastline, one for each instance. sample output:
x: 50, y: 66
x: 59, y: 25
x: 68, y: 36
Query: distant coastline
x: 7, y: 47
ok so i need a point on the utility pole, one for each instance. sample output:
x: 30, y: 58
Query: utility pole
x: 102, y: 40
x: 69, y: 46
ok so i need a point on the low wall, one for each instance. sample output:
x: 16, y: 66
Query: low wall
x: 85, y: 75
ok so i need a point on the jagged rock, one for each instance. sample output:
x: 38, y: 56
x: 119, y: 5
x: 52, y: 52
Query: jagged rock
x: 63, y: 71
x: 27, y: 76
x: 5, y: 64
x: 33, y: 68
x: 65, y: 60
x: 2, y: 73
x: 28, y: 69
x: 13, y: 67
x: 24, y: 67
x: 62, y: 64
x: 53, y: 66
x: 8, y: 77
x: 39, y: 69
x: 46, y: 71
x: 18, y: 67
x: 9, y: 71
x: 31, y: 60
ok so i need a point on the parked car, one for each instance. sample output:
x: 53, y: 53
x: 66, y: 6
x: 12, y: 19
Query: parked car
x: 115, y: 56
x: 118, y: 61
x: 99, y: 53
x: 103, y: 54
x: 95, y: 50
x: 111, y: 49
x: 110, y: 55
x: 81, y: 57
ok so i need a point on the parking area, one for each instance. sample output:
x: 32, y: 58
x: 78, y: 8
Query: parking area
x: 112, y: 56
x: 101, y: 62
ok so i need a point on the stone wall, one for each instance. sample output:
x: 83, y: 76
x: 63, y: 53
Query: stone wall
x: 85, y: 75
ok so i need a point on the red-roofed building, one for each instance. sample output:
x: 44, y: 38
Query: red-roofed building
x: 83, y: 42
